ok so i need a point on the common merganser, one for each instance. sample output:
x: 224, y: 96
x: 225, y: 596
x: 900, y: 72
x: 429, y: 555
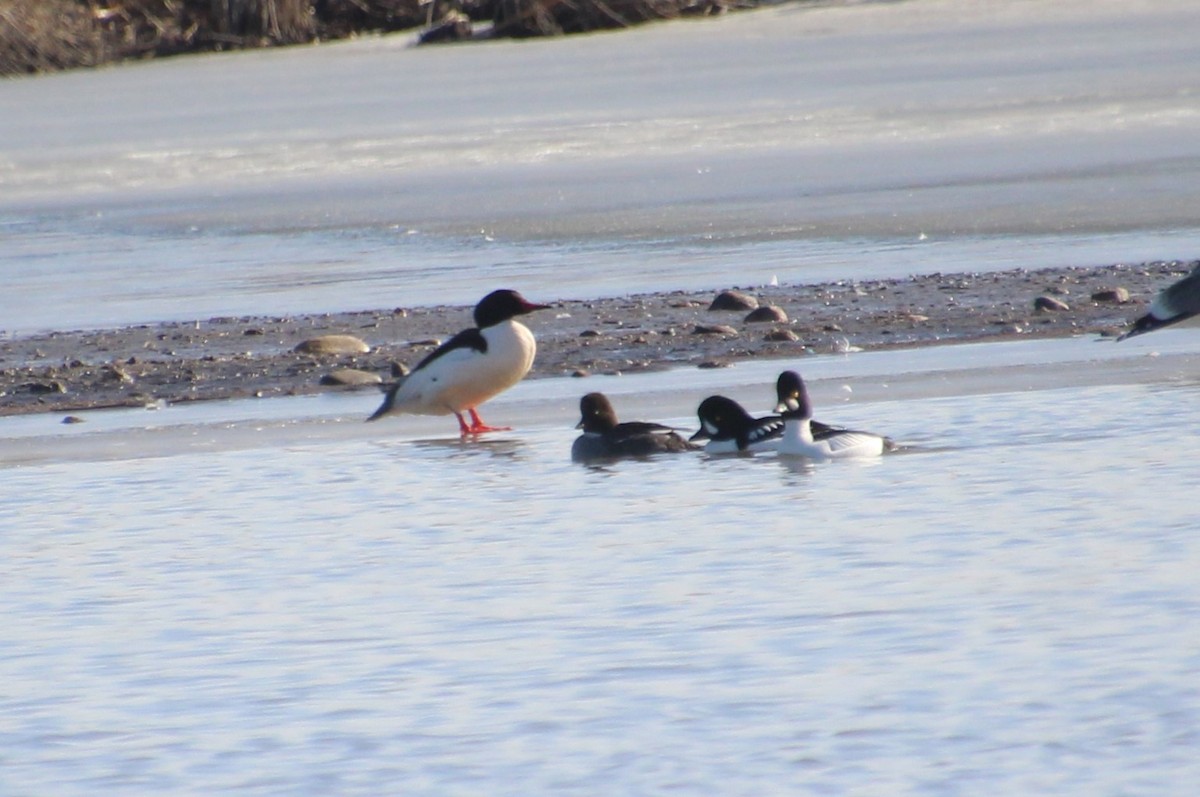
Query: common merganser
x: 471, y: 367
x: 1175, y: 303
x: 604, y: 438
x: 802, y: 440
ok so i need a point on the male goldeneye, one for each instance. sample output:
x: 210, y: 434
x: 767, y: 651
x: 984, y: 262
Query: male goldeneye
x: 604, y: 438
x: 471, y: 367
x: 1175, y: 303
x: 802, y: 440
x: 729, y: 429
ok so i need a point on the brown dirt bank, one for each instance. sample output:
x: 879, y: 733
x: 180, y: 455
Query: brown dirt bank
x: 49, y: 35
x: 225, y: 358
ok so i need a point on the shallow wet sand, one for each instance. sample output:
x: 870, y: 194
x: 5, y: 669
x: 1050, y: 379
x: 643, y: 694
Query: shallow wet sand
x: 223, y: 358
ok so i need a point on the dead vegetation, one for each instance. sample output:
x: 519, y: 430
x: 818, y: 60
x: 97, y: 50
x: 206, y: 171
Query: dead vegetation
x: 50, y: 35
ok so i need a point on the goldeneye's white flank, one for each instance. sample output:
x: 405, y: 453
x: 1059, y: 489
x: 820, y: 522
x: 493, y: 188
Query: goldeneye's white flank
x: 799, y: 437
x: 604, y: 438
x: 729, y: 429
x: 1174, y: 304
x: 471, y: 367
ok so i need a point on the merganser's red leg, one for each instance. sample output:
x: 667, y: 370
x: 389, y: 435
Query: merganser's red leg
x: 463, y: 429
x: 478, y: 426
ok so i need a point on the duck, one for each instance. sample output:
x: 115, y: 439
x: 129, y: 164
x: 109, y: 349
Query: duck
x: 472, y: 367
x: 801, y: 438
x: 729, y: 429
x: 1174, y: 304
x: 605, y: 438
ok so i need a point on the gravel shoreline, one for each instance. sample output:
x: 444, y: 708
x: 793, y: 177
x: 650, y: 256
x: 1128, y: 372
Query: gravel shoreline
x: 224, y: 358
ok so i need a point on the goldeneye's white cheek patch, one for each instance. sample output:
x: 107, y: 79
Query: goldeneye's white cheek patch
x: 708, y: 427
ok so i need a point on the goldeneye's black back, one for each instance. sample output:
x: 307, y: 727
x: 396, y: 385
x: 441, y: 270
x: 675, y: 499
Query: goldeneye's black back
x: 729, y: 429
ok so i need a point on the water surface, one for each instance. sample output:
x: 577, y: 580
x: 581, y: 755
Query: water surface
x: 1008, y: 607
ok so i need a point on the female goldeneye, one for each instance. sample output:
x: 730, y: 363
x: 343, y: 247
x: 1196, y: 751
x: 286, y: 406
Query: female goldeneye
x: 801, y: 440
x: 1175, y: 303
x: 471, y: 367
x: 604, y: 438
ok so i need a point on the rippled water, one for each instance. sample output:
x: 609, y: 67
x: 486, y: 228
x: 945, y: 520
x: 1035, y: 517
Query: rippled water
x: 1009, y: 607
x: 273, y: 598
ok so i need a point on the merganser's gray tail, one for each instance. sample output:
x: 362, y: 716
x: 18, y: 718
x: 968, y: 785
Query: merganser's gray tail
x: 389, y: 402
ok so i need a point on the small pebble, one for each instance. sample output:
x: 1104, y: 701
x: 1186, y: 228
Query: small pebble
x: 733, y: 300
x: 1050, y: 304
x: 42, y: 388
x: 768, y: 313
x: 781, y: 336
x: 713, y: 329
x: 1112, y: 296
x: 350, y: 377
x: 333, y: 344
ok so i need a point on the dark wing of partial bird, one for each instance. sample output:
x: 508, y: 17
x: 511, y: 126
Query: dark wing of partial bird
x: 769, y: 427
x: 822, y: 430
x: 631, y: 428
x: 467, y: 339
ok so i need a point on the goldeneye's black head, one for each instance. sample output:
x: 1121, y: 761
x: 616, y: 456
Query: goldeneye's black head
x: 598, y: 414
x: 499, y: 306
x: 792, y: 395
x: 721, y: 418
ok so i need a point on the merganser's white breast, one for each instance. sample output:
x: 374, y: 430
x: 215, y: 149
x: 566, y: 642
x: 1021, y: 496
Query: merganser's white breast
x: 465, y: 377
x: 471, y: 367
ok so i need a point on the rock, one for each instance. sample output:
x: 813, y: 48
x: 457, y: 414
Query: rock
x: 42, y: 388
x: 1048, y: 304
x: 733, y: 300
x: 399, y: 370
x: 766, y: 314
x: 72, y: 419
x: 713, y: 329
x: 1111, y: 296
x: 706, y: 364
x: 454, y: 27
x: 333, y: 344
x: 350, y: 377
x: 117, y: 374
x: 781, y: 336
